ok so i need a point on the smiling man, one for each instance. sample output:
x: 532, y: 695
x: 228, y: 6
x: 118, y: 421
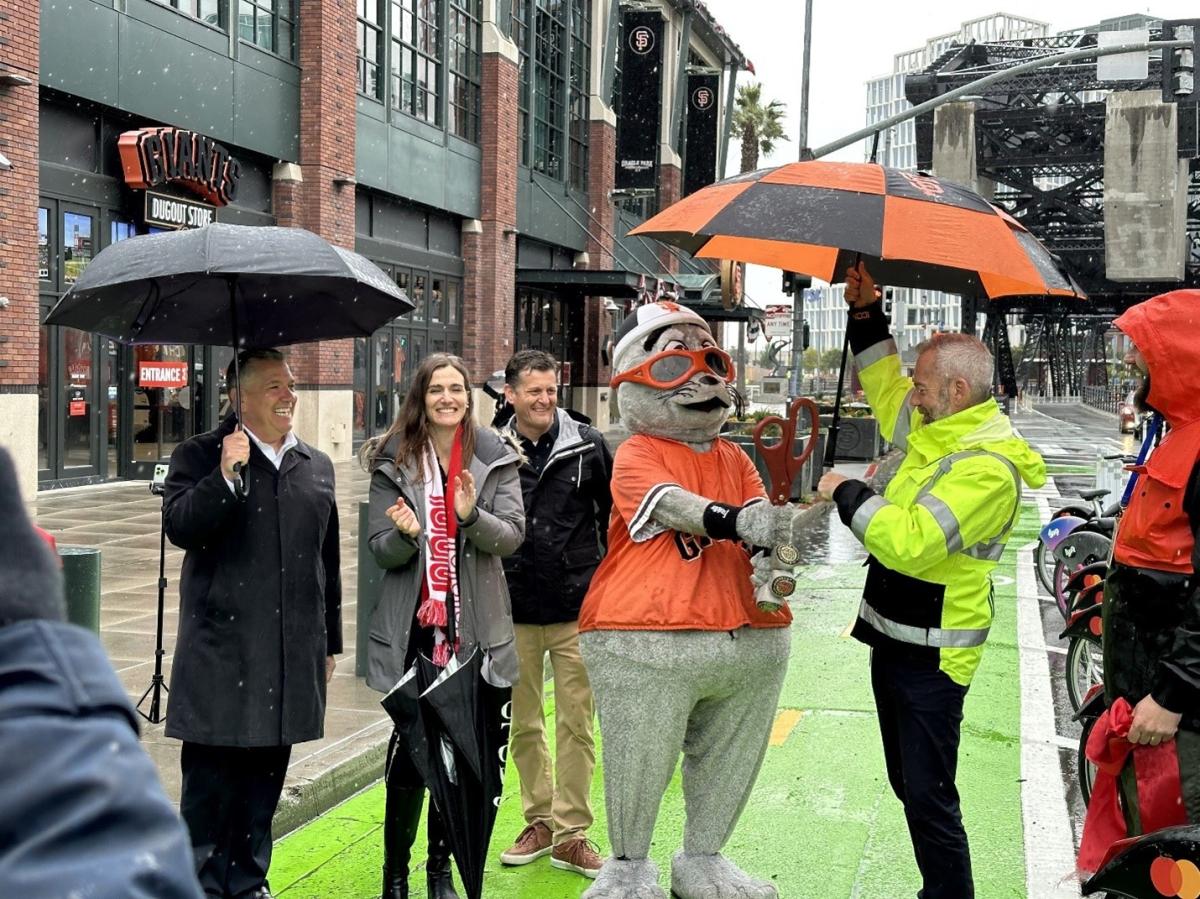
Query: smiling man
x: 565, y: 485
x: 259, y: 619
x: 934, y: 537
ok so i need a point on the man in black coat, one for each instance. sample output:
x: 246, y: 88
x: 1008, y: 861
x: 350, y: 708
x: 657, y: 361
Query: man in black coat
x: 82, y: 812
x: 565, y: 485
x: 259, y: 619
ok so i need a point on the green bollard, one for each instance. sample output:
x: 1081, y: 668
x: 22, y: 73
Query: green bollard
x: 370, y: 581
x: 81, y: 585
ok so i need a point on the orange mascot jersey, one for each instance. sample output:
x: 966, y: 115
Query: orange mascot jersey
x: 657, y: 579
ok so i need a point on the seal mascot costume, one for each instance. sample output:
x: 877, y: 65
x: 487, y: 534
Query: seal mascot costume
x: 681, y: 657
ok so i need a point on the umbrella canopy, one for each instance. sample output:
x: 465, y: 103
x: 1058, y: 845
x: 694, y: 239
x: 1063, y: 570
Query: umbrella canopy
x: 287, y: 285
x: 820, y: 218
x: 469, y: 743
x: 414, y: 724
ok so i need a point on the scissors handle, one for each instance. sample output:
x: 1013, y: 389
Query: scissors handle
x: 782, y: 464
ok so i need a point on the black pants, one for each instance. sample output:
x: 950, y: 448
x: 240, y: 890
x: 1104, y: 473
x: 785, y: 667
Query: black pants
x: 920, y: 716
x: 228, y: 798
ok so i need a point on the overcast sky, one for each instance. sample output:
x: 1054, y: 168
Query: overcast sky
x: 855, y: 40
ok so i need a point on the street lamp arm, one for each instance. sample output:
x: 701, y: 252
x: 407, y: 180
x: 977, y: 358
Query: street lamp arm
x: 1003, y: 75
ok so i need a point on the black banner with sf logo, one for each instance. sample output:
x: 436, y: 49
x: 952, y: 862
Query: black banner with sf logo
x: 641, y: 100
x: 700, y: 168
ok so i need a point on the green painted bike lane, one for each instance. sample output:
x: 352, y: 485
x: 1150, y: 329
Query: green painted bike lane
x: 822, y: 822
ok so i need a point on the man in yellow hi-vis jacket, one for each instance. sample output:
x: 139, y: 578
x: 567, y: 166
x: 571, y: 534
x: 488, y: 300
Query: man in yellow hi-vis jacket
x: 934, y: 537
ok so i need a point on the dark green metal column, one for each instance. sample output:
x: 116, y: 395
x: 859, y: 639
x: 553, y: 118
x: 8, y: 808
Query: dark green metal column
x: 81, y: 585
x: 370, y: 579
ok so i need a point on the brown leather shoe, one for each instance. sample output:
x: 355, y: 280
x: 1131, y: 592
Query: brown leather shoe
x: 534, y: 842
x: 580, y: 855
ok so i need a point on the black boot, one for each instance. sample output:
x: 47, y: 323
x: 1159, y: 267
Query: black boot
x: 402, y: 814
x: 437, y: 868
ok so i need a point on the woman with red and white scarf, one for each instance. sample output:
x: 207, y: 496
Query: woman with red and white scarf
x: 445, y: 507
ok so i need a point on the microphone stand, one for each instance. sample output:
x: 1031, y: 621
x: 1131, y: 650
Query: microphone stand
x: 157, y: 686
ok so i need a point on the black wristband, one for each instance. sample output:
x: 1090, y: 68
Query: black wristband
x: 720, y: 521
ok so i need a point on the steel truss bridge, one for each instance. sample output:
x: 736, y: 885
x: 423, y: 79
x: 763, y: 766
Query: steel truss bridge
x: 1039, y: 137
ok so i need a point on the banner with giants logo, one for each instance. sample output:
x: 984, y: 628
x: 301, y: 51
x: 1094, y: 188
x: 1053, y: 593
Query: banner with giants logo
x: 700, y: 169
x: 640, y: 121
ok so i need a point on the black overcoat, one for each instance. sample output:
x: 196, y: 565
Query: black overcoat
x: 260, y: 596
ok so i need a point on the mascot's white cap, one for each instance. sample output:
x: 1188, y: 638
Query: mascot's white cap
x: 649, y: 318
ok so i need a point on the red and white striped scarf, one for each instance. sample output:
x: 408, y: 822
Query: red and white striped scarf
x: 441, y: 570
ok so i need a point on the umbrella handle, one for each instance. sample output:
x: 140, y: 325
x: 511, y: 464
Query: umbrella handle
x: 239, y: 480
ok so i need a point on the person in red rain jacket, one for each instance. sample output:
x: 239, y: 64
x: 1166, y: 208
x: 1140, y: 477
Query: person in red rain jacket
x: 1151, y: 594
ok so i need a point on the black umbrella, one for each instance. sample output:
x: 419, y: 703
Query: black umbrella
x: 413, y: 722
x: 458, y: 736
x: 230, y: 285
x: 1163, y: 863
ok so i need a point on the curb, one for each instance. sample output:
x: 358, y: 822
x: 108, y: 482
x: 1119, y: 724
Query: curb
x: 305, y: 801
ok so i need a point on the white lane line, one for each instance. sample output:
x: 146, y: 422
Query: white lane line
x: 1049, y: 846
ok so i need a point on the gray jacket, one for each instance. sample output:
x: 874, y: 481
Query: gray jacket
x: 498, y: 530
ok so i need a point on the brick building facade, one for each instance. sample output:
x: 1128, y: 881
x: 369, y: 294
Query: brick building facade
x: 473, y: 166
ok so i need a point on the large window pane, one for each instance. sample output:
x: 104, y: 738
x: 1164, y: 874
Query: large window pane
x: 463, y: 73
x: 78, y: 383
x: 77, y: 245
x: 360, y: 388
x: 43, y: 422
x: 416, y: 58
x: 370, y: 47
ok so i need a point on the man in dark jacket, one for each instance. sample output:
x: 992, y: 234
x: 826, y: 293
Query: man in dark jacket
x: 565, y: 485
x: 81, y: 810
x: 1151, y: 593
x: 259, y: 619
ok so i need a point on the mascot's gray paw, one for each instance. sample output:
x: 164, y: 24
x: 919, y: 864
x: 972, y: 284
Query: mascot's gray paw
x: 715, y: 877
x: 622, y: 878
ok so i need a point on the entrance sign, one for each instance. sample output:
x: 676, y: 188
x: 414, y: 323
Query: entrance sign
x: 162, y: 374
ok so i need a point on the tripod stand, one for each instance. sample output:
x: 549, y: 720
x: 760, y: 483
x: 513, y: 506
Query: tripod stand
x: 157, y: 686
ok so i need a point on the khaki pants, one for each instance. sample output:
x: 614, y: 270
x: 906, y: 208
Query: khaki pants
x: 556, y: 795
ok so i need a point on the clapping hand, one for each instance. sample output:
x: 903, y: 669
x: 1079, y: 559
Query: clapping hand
x: 464, y: 495
x: 404, y: 518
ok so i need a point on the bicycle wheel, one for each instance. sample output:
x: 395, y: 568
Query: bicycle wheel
x: 1043, y: 564
x: 1087, y: 771
x: 1058, y: 590
x: 1085, y: 668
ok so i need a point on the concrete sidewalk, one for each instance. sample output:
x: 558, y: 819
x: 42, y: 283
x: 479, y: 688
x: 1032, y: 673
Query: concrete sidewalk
x: 123, y: 521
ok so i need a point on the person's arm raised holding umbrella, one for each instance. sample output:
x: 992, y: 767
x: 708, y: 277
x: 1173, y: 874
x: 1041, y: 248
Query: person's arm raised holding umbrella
x: 934, y: 536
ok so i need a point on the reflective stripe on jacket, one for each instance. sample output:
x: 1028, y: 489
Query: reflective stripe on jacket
x: 940, y: 527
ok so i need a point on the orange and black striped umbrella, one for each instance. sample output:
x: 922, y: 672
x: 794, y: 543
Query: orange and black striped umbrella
x: 911, y: 230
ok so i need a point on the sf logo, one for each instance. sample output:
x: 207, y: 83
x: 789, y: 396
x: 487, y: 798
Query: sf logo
x: 702, y: 98
x: 924, y: 183
x: 641, y: 40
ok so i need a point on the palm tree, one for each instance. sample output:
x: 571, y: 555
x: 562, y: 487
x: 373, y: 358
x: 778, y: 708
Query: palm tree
x: 758, y: 126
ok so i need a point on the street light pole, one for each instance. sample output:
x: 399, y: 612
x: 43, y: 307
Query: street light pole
x: 798, y: 294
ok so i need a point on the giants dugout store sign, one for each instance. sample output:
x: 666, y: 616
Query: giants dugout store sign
x: 641, y: 101
x: 152, y: 157
x: 700, y: 166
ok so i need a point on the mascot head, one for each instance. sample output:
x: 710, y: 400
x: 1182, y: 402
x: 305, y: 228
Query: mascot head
x: 671, y: 378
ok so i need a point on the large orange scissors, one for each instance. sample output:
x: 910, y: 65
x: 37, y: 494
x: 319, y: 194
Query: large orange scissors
x: 782, y: 464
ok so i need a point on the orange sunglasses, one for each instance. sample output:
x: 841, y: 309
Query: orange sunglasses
x: 671, y: 368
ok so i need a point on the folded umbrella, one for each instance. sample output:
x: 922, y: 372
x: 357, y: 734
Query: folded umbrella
x: 413, y: 725
x: 469, y: 751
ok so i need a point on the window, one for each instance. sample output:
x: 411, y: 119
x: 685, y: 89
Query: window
x: 548, y: 88
x: 464, y: 68
x: 520, y: 35
x: 578, y: 101
x: 204, y: 10
x: 554, y: 87
x: 269, y: 24
x: 416, y: 59
x: 370, y: 47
